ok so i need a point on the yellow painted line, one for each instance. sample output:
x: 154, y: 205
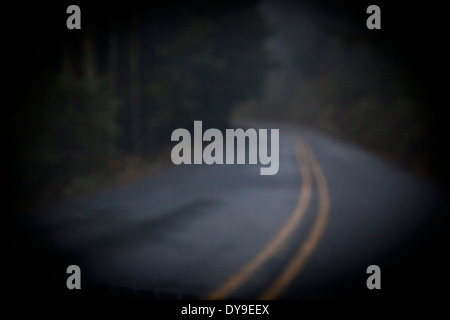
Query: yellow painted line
x: 275, y: 244
x: 305, y: 250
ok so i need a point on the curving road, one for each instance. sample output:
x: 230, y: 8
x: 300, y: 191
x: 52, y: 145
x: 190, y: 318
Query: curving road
x: 227, y: 232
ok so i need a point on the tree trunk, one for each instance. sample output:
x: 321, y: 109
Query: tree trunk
x: 134, y: 85
x: 89, y: 65
x: 113, y: 57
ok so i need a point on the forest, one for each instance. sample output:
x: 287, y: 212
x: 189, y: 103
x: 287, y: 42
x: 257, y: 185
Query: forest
x: 84, y: 105
x: 89, y: 100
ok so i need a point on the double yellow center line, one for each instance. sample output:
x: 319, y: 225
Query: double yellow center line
x: 308, y: 167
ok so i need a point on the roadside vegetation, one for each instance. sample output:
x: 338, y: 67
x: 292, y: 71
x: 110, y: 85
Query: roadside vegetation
x: 374, y: 89
x: 101, y: 102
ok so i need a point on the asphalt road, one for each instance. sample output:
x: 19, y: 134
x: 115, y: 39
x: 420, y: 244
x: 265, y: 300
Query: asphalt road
x: 227, y: 232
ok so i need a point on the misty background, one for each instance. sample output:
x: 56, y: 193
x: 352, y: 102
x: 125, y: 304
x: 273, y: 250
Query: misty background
x: 94, y: 107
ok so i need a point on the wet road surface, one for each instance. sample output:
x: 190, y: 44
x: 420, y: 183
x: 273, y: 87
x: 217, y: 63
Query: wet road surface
x: 227, y: 232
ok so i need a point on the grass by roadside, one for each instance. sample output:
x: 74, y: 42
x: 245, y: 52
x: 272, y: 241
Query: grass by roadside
x: 119, y: 171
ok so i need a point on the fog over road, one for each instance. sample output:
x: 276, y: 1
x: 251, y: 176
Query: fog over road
x: 225, y: 231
